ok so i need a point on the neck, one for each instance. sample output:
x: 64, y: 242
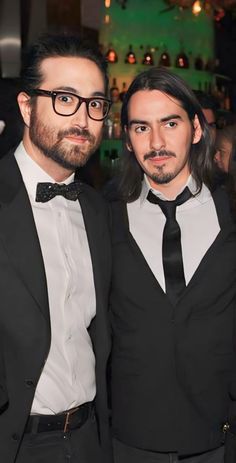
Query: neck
x: 173, y: 188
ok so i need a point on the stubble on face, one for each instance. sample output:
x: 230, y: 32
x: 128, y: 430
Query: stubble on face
x: 160, y: 176
x: 50, y: 142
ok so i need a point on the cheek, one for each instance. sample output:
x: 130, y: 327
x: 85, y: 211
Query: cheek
x: 139, y: 143
x: 226, y: 161
x: 95, y: 128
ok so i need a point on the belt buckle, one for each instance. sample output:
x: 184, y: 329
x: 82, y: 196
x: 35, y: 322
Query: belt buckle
x: 67, y: 419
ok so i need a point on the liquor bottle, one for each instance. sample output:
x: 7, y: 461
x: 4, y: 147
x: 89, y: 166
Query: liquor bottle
x: 165, y: 59
x: 114, y: 91
x: 182, y: 61
x: 111, y: 55
x: 198, y: 63
x: 130, y: 57
x: 123, y: 91
x: 148, y: 58
x: 113, y: 120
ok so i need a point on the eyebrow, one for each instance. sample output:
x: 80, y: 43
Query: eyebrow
x: 163, y: 119
x: 73, y: 90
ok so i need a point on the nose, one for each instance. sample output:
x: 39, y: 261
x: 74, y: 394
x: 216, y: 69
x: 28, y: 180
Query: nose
x: 80, y: 118
x: 217, y: 159
x: 157, y: 140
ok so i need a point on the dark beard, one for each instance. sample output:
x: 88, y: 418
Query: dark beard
x: 69, y: 158
x: 160, y: 177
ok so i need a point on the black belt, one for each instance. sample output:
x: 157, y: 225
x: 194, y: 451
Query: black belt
x: 66, y: 421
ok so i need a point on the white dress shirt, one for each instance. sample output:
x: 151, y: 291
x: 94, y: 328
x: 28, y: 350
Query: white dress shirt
x: 198, y: 223
x: 68, y: 376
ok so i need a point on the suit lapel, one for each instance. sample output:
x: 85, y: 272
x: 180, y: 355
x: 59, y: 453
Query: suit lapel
x: 18, y: 233
x: 227, y: 227
x: 121, y: 232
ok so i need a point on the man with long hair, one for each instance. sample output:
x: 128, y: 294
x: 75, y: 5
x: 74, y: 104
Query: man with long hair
x: 173, y: 365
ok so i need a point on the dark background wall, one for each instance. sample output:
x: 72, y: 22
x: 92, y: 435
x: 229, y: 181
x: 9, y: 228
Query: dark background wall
x: 55, y: 15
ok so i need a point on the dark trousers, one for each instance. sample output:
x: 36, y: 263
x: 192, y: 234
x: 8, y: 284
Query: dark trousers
x: 77, y: 446
x: 125, y: 454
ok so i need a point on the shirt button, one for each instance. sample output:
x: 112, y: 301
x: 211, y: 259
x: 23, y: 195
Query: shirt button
x: 29, y: 383
x: 15, y: 436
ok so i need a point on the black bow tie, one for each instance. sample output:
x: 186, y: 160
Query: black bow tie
x: 46, y: 191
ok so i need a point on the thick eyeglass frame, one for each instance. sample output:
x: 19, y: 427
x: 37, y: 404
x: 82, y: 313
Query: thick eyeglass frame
x: 54, y: 93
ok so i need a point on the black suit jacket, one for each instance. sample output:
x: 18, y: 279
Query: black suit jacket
x: 173, y: 367
x: 24, y: 310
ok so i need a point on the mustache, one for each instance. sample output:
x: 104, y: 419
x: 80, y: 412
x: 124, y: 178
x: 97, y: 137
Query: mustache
x: 77, y: 132
x: 161, y: 153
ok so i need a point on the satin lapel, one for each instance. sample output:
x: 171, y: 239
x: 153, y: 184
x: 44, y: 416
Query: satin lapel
x: 227, y: 226
x: 137, y: 251
x: 18, y: 234
x: 206, y: 260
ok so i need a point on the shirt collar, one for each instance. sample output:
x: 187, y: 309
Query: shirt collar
x: 32, y: 173
x: 202, y: 197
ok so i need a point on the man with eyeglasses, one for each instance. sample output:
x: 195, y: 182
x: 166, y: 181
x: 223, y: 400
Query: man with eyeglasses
x: 55, y: 264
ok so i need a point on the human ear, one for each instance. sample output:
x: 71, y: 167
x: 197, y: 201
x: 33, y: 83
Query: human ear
x: 197, y: 134
x: 127, y: 139
x: 25, y: 107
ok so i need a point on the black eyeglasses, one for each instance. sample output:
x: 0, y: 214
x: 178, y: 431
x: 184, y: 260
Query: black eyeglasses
x: 67, y: 103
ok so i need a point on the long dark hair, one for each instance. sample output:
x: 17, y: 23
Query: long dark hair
x: 200, y: 156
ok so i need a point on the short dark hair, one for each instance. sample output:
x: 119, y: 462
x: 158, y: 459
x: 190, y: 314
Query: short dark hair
x: 200, y: 156
x: 206, y: 100
x: 57, y: 45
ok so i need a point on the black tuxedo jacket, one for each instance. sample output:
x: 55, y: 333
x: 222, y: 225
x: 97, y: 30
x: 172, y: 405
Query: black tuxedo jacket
x: 173, y: 368
x: 24, y: 310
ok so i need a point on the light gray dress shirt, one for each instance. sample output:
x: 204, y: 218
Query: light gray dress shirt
x: 198, y: 223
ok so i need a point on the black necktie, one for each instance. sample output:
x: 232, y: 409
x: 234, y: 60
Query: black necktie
x: 171, y: 245
x: 46, y: 191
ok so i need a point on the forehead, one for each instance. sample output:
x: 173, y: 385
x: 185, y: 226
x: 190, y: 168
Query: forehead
x: 225, y: 143
x: 149, y: 103
x: 81, y: 74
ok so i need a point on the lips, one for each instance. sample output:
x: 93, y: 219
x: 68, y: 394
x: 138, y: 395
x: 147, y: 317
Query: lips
x: 77, y: 139
x: 159, y: 159
x: 76, y: 136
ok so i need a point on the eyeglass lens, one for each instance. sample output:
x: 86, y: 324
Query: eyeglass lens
x: 66, y: 104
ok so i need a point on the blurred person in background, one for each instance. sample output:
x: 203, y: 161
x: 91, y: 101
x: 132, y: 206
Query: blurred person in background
x: 225, y: 147
x: 209, y: 107
x: 225, y: 161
